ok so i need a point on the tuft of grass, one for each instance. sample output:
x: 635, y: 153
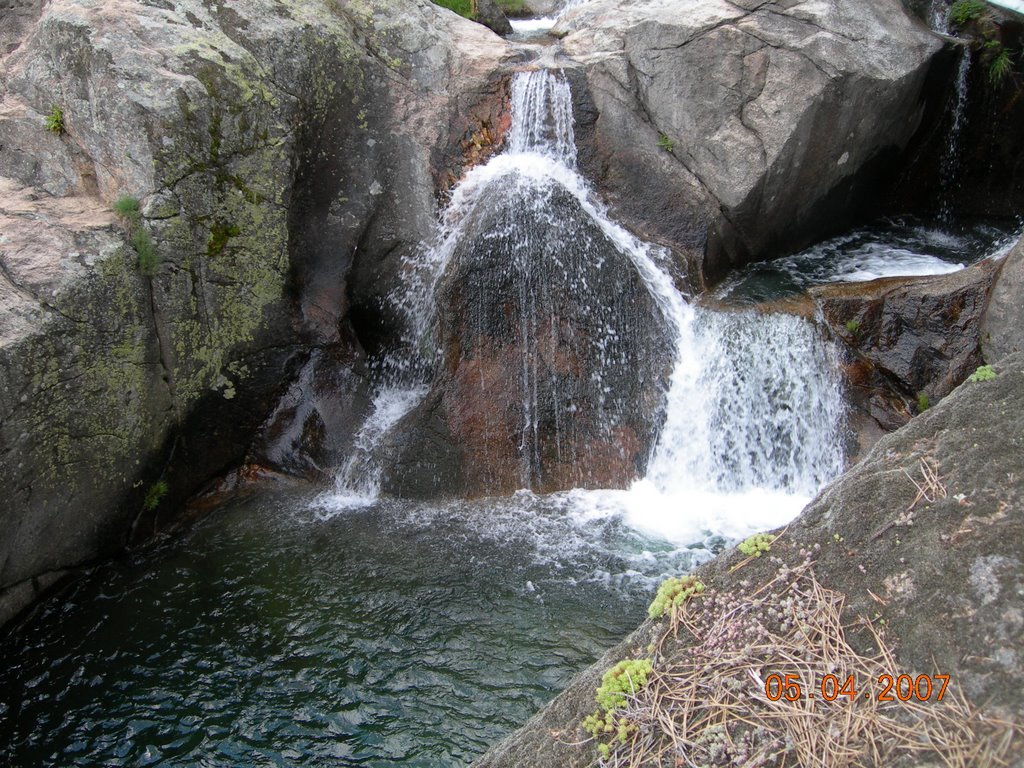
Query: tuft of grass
x: 154, y: 495
x: 983, y: 373
x: 965, y: 11
x: 55, y: 120
x: 853, y: 326
x: 128, y: 209
x: 149, y: 259
x: 665, y: 143
x: 999, y: 67
x: 461, y: 7
x: 923, y: 403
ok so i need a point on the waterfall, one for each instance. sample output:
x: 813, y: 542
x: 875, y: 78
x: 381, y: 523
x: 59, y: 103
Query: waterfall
x: 752, y: 405
x: 950, y: 167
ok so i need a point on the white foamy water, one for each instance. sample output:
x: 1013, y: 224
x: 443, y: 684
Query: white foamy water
x: 531, y: 27
x: 357, y: 484
x: 904, y: 247
x: 753, y: 407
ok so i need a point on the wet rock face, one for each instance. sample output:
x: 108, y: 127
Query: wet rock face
x: 741, y: 131
x: 554, y: 352
x: 923, y: 335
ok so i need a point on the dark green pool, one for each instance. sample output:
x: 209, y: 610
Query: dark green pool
x: 279, y: 634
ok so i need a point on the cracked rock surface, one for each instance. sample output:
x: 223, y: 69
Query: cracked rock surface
x: 781, y: 117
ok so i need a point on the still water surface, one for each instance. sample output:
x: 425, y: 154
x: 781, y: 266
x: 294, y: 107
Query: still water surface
x: 281, y: 632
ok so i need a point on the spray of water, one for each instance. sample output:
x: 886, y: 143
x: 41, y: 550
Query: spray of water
x: 753, y: 407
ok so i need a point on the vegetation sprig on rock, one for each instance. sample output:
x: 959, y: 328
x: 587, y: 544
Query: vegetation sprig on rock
x: 127, y: 208
x: 673, y: 593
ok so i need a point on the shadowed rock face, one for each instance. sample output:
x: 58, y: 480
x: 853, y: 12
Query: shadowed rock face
x: 1004, y: 318
x: 908, y: 337
x: 553, y: 353
x: 271, y: 146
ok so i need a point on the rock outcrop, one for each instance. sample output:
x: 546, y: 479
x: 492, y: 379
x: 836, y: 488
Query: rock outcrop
x: 1001, y: 327
x: 554, y: 353
x: 923, y: 537
x: 735, y: 131
x: 271, y: 145
x: 909, y: 336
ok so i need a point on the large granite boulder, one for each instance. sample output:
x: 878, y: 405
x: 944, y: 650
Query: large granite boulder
x: 735, y: 131
x: 923, y: 538
x: 555, y: 355
x: 271, y: 145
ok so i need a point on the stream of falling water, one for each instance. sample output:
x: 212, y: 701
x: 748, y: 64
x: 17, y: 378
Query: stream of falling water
x: 950, y: 168
x: 753, y: 406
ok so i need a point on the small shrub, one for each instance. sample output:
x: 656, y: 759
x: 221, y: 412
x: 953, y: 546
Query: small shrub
x: 853, y: 326
x: 672, y: 593
x: 756, y: 545
x: 149, y: 259
x: 154, y: 495
x: 665, y: 143
x: 127, y: 207
x: 983, y: 373
x: 923, y: 403
x: 965, y: 11
x: 55, y: 120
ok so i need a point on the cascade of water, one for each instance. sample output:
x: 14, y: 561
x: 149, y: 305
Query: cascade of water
x: 358, y: 482
x: 753, y: 401
x: 542, y: 118
x: 951, y: 157
x: 938, y: 16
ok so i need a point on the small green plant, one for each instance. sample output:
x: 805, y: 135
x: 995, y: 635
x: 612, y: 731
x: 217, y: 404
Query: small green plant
x: 756, y: 545
x: 621, y: 681
x: 983, y: 373
x: 965, y: 11
x: 55, y: 120
x: 665, y: 143
x: 1000, y: 65
x: 672, y: 593
x: 154, y: 495
x: 853, y: 326
x: 127, y: 207
x: 461, y: 7
x: 923, y: 403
